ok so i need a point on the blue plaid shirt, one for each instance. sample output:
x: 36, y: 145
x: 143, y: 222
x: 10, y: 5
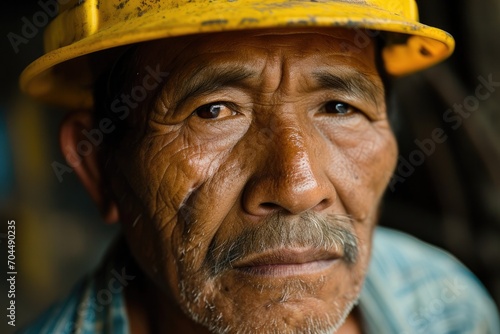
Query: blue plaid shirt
x: 411, y: 287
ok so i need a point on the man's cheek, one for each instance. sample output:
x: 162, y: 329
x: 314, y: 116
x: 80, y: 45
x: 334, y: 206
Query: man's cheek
x: 367, y: 168
x: 386, y: 156
x: 163, y: 175
x: 375, y: 158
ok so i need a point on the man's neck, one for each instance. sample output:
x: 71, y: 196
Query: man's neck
x: 352, y: 325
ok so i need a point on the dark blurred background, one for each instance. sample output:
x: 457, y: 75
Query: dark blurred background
x: 450, y: 198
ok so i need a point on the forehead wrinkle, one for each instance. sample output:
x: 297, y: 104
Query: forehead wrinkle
x: 275, y: 76
x: 284, y: 72
x: 334, y: 38
x: 218, y: 69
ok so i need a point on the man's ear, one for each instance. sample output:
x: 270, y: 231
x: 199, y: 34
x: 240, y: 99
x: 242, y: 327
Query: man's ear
x: 80, y: 142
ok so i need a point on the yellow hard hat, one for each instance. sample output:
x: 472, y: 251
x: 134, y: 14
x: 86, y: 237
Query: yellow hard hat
x: 65, y: 74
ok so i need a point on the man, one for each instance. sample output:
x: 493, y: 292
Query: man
x: 244, y: 147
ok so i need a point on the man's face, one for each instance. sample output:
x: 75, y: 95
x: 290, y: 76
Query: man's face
x: 250, y: 194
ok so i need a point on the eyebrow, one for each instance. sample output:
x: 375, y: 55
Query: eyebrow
x: 210, y: 78
x: 207, y: 79
x: 357, y: 83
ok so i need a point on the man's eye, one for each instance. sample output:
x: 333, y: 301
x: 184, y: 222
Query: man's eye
x: 213, y: 111
x: 339, y: 108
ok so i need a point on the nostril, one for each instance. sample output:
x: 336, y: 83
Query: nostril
x: 265, y: 208
x: 269, y: 206
x: 322, y: 205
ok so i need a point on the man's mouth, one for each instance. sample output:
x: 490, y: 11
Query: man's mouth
x: 287, y: 262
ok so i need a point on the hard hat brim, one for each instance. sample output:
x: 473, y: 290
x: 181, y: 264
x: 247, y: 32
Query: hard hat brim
x: 44, y: 78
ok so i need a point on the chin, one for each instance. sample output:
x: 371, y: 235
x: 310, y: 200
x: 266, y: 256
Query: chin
x: 295, y: 315
x: 234, y: 303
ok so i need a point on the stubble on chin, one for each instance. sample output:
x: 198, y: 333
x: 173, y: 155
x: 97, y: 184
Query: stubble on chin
x: 225, y: 303
x: 290, y: 306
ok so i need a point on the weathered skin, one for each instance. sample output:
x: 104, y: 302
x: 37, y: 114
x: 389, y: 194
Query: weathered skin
x: 184, y: 182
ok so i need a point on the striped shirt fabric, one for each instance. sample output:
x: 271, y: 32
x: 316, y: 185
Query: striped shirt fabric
x: 411, y: 287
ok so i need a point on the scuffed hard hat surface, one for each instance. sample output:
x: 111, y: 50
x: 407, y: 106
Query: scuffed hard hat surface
x: 84, y: 18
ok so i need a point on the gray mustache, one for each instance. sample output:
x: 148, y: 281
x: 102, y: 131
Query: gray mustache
x: 279, y: 231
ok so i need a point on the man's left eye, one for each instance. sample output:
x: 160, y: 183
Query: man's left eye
x: 213, y: 111
x: 339, y: 108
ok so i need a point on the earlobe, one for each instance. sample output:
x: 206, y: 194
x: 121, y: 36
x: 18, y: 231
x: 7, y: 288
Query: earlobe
x: 80, y: 148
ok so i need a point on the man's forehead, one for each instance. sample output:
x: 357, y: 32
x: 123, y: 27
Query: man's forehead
x: 320, y: 56
x: 331, y: 40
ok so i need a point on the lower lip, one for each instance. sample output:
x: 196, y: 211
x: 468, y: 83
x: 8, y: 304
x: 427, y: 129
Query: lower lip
x: 283, y: 270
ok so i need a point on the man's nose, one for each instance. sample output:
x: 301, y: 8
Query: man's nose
x: 291, y: 175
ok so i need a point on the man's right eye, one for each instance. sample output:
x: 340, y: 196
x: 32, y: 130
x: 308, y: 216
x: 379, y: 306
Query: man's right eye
x: 213, y: 111
x: 339, y: 108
